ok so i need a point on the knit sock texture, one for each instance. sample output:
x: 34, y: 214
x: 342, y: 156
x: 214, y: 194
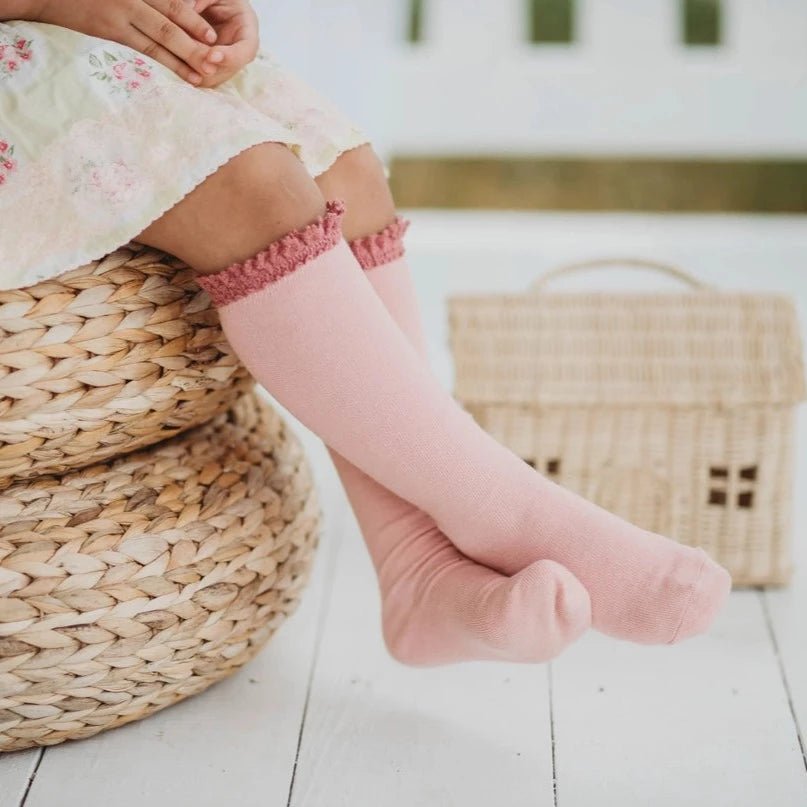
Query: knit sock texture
x: 320, y: 340
x: 438, y: 607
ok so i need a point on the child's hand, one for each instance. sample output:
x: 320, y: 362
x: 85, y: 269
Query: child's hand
x: 236, y: 27
x: 169, y: 31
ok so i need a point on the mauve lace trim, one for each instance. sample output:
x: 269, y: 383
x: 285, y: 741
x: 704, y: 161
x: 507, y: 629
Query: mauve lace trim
x: 278, y: 260
x: 381, y: 248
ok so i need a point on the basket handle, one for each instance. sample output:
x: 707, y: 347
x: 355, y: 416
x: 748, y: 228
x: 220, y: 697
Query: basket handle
x: 693, y: 282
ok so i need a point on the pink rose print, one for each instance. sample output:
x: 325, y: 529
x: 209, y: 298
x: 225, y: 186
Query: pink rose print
x: 7, y: 163
x: 116, y: 181
x: 12, y: 54
x: 123, y: 73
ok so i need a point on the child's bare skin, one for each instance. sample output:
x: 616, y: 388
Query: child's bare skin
x: 264, y: 193
x: 237, y: 40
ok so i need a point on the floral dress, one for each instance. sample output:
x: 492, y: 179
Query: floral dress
x: 97, y: 141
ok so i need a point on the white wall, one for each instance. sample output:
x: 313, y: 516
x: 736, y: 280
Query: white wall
x: 347, y: 49
x: 627, y: 86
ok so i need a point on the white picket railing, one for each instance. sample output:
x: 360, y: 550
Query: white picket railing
x: 627, y: 85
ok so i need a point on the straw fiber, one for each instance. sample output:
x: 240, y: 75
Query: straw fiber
x: 675, y: 410
x: 107, y: 358
x: 132, y: 584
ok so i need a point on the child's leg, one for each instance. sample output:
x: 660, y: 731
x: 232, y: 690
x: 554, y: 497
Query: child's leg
x: 621, y: 609
x: 438, y: 605
x: 375, y: 233
x: 366, y: 392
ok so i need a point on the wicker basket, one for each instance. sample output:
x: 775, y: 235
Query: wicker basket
x: 107, y: 358
x: 674, y: 410
x: 128, y: 586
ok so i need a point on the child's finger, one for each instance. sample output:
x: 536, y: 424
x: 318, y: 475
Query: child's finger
x: 186, y: 18
x: 168, y: 35
x: 140, y: 42
x: 233, y: 57
x: 201, y: 5
x: 217, y: 57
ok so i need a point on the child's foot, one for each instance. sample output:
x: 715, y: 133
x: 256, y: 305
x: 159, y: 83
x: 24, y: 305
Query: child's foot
x: 467, y: 612
x: 439, y: 607
x: 643, y: 586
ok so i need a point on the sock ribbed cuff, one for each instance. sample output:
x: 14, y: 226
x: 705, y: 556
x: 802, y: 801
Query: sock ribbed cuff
x: 279, y: 259
x: 382, y: 247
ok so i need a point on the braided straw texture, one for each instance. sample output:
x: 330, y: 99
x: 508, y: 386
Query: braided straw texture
x: 107, y: 358
x: 675, y: 411
x: 128, y: 586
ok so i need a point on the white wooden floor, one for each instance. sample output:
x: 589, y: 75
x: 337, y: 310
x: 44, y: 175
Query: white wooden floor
x: 323, y: 718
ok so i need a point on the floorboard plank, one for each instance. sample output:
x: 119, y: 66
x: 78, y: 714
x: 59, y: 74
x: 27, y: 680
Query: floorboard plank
x: 787, y: 607
x: 381, y: 733
x: 702, y: 723
x: 16, y: 771
x: 234, y: 744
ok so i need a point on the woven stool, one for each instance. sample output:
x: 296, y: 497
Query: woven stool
x: 130, y: 585
x: 107, y: 358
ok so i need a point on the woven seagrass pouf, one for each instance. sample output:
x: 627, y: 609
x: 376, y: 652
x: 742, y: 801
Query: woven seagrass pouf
x: 130, y: 585
x: 107, y: 358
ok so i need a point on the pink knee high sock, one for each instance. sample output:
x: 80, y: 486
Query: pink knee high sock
x: 438, y: 606
x: 305, y: 320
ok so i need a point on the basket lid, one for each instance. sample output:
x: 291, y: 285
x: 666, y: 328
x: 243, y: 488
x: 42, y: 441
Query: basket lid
x: 707, y: 348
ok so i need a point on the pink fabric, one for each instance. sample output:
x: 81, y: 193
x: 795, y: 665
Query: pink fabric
x: 437, y: 605
x: 277, y: 260
x: 351, y: 376
x: 381, y: 248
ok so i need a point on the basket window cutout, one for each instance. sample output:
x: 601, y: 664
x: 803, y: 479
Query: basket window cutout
x: 551, y: 467
x: 721, y: 478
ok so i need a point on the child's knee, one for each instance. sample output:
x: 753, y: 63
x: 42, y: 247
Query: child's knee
x: 268, y: 185
x: 361, y: 167
x: 254, y: 199
x: 359, y: 179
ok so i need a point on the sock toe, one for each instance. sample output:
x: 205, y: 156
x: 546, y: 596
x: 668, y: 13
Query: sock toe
x: 707, y: 599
